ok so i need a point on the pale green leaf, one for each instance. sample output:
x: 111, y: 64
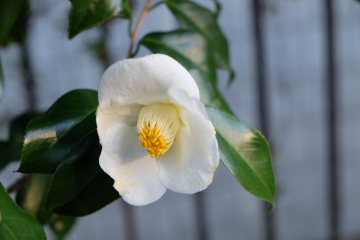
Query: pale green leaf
x: 246, y: 153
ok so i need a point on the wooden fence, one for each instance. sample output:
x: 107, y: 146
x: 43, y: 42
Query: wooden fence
x: 298, y: 80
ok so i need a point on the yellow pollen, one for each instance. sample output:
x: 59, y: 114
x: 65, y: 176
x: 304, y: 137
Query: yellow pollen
x: 157, y: 127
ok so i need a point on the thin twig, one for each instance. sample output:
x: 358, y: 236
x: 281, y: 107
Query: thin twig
x: 138, y: 27
x: 19, y: 183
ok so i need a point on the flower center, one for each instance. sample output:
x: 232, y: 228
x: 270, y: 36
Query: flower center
x: 157, y: 127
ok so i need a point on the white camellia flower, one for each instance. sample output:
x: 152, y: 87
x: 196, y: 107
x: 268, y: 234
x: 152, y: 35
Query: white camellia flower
x: 154, y: 131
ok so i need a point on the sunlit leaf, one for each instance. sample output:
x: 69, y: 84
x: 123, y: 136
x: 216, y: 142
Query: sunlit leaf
x: 15, y: 223
x: 64, y: 141
x: 86, y: 14
x: 79, y: 186
x: 246, y: 153
x: 51, y: 136
x: 196, y: 18
x: 192, y: 51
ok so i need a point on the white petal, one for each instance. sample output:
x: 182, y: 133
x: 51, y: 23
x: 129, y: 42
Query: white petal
x: 189, y: 165
x: 136, y: 174
x: 143, y: 81
x: 181, y: 98
x: 127, y: 115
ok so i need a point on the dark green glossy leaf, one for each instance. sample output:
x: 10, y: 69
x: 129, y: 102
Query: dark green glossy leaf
x: 10, y: 150
x: 15, y: 223
x: 13, y: 21
x: 61, y: 226
x: 191, y: 50
x: 51, y: 136
x: 196, y: 18
x: 86, y: 14
x: 31, y: 197
x: 246, y: 153
x: 79, y: 186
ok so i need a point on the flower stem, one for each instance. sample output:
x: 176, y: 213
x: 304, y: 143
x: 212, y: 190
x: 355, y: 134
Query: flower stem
x: 138, y: 27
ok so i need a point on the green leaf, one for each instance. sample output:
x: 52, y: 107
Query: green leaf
x: 64, y: 140
x: 246, y: 153
x: 62, y: 225
x: 191, y: 50
x: 79, y: 186
x: 196, y: 18
x: 10, y: 150
x: 15, y: 223
x: 13, y: 21
x: 126, y: 10
x: 31, y: 197
x: 86, y: 14
x: 51, y: 136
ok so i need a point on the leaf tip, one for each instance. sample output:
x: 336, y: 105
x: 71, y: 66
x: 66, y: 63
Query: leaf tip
x: 72, y: 31
x: 71, y: 34
x: 19, y: 170
x: 271, y: 209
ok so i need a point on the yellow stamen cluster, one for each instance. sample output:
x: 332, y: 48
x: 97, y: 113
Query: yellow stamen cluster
x: 154, y: 143
x: 157, y: 127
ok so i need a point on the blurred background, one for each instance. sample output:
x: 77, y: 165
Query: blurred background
x: 298, y: 66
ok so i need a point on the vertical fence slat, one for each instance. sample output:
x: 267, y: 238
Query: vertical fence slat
x: 28, y: 77
x: 331, y: 101
x: 262, y: 92
x: 201, y: 216
x: 130, y: 224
